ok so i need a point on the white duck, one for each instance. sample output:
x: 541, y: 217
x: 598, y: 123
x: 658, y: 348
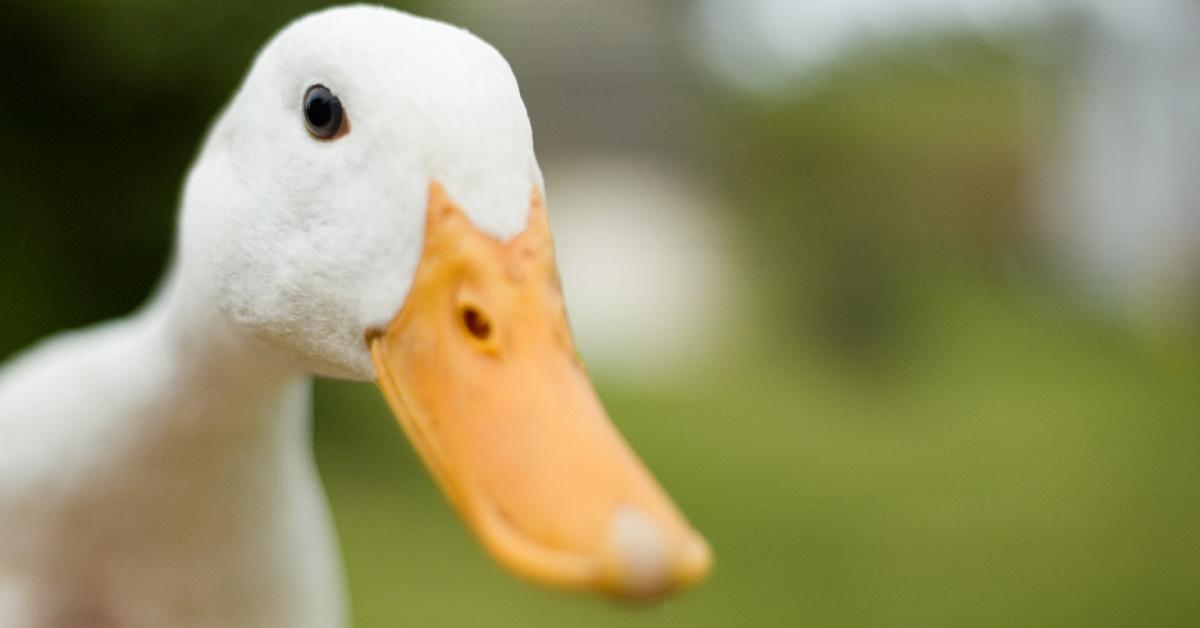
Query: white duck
x: 368, y: 207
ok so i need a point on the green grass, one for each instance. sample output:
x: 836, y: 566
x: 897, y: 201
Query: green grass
x: 1011, y: 468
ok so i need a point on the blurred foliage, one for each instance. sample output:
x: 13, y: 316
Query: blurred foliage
x: 903, y: 435
x: 897, y: 162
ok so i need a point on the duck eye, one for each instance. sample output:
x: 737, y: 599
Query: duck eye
x: 323, y: 114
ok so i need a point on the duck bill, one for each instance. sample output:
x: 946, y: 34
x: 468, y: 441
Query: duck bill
x: 480, y: 371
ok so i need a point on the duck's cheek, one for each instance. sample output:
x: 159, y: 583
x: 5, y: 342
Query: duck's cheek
x: 480, y: 370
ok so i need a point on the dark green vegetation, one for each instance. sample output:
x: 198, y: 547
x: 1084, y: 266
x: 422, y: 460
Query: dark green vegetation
x: 911, y: 425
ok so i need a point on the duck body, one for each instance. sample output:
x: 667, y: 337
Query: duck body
x: 367, y: 207
x: 163, y: 504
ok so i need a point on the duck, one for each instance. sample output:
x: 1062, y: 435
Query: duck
x: 367, y: 207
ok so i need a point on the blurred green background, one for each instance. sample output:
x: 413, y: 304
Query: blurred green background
x: 906, y: 412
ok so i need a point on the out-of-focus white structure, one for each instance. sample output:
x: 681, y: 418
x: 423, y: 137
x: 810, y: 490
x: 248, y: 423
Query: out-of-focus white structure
x: 1120, y: 190
x: 647, y: 265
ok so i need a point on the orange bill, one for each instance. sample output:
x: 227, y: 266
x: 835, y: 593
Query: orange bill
x: 480, y: 370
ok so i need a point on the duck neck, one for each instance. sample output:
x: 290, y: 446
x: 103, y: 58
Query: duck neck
x: 232, y: 379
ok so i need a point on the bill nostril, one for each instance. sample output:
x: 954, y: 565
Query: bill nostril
x: 476, y: 323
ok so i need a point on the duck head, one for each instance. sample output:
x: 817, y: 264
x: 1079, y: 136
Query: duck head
x: 369, y: 207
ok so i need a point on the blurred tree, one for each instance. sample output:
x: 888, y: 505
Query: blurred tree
x: 901, y: 168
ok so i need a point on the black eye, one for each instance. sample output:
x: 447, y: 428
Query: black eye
x: 323, y: 114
